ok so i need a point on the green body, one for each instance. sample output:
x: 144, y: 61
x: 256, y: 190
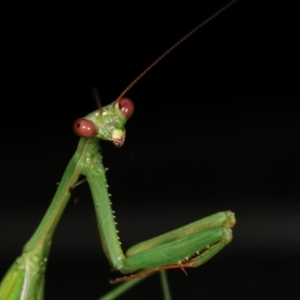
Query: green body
x: 25, y: 279
x: 188, y: 246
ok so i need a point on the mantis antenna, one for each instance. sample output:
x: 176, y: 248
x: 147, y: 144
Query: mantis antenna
x: 179, y: 42
x: 97, y: 98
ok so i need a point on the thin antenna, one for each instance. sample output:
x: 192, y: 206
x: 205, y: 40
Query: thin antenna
x: 97, y: 98
x: 175, y: 46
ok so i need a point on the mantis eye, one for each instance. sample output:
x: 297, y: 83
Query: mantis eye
x: 127, y: 107
x: 85, y: 128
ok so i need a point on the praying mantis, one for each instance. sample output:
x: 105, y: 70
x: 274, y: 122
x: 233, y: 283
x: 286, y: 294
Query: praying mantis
x: 188, y: 246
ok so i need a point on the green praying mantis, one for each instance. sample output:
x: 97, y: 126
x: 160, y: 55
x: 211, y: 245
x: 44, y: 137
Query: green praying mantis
x: 187, y: 247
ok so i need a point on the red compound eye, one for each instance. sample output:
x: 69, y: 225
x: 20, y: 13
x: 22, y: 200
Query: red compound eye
x: 126, y: 107
x: 85, y: 128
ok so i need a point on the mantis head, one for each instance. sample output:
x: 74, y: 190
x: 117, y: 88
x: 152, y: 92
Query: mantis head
x: 107, y: 123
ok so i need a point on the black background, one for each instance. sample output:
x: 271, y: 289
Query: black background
x: 216, y: 127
